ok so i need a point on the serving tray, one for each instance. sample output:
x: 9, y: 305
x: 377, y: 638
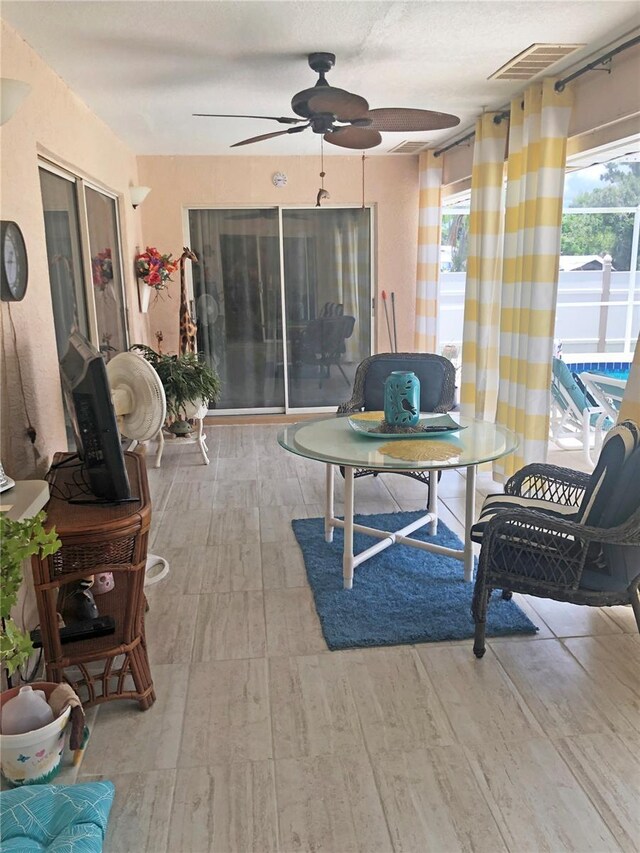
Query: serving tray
x: 364, y: 423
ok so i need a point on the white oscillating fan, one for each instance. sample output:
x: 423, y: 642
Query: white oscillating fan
x: 140, y: 404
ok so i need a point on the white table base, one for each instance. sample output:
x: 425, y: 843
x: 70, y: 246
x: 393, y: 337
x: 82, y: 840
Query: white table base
x: 388, y: 538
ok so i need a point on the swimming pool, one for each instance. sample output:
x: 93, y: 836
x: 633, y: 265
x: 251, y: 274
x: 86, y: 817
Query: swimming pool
x: 617, y: 369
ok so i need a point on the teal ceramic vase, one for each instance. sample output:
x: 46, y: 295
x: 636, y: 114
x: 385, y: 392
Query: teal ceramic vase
x: 402, y: 398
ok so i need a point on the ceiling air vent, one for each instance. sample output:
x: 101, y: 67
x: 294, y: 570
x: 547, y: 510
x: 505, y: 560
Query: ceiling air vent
x: 532, y: 61
x: 408, y: 148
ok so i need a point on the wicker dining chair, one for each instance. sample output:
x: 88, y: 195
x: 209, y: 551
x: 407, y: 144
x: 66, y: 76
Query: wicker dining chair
x: 561, y: 534
x: 437, y: 390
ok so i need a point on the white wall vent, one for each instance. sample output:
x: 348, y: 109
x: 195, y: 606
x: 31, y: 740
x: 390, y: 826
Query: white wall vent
x: 533, y: 61
x: 408, y: 148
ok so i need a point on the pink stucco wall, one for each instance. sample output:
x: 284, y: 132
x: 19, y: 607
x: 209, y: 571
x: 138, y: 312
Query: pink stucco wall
x: 51, y: 122
x: 391, y: 185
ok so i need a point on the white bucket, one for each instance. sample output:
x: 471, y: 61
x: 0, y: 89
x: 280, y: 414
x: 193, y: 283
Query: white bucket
x: 33, y: 758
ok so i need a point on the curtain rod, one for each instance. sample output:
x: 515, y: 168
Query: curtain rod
x: 453, y: 144
x: 498, y: 118
x: 593, y: 66
x: 558, y: 87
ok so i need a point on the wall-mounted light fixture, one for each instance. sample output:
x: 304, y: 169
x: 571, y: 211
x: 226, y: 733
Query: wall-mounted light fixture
x: 12, y: 94
x: 138, y: 195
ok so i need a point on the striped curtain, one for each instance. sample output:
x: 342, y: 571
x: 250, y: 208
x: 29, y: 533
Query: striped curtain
x: 630, y: 408
x: 428, y: 272
x: 479, y: 382
x: 533, y: 218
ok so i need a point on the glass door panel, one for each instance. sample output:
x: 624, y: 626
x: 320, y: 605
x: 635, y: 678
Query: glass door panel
x: 106, y: 276
x: 327, y: 282
x: 236, y: 285
x: 64, y: 256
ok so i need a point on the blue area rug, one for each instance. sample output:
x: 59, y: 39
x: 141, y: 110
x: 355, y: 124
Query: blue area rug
x: 402, y: 595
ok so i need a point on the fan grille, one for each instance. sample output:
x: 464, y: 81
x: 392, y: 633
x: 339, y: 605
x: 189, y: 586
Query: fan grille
x: 130, y: 372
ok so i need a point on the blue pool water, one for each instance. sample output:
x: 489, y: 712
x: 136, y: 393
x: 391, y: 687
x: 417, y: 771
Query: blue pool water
x: 617, y: 369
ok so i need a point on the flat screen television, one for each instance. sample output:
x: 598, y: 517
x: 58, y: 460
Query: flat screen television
x: 88, y: 396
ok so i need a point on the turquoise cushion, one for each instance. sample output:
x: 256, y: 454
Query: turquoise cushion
x: 572, y: 385
x: 55, y: 818
x: 564, y: 376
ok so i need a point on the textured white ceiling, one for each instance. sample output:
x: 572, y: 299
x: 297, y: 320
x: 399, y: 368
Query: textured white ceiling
x: 145, y: 67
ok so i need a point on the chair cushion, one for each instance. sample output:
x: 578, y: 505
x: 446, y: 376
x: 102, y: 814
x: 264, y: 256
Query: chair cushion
x: 626, y: 495
x: 494, y: 504
x: 618, y: 446
x: 69, y: 818
x: 618, y: 565
x: 431, y: 372
x: 564, y: 376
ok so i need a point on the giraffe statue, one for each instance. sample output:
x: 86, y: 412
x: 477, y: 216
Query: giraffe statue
x: 188, y: 329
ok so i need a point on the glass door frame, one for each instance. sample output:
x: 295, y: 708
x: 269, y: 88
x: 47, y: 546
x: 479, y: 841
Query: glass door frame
x: 286, y: 409
x: 79, y: 183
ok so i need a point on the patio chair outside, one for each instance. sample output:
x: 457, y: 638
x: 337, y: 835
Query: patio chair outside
x: 607, y: 391
x: 573, y: 415
x: 322, y: 343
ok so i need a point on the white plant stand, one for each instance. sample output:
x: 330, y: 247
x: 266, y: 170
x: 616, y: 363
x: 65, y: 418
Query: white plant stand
x: 199, y: 438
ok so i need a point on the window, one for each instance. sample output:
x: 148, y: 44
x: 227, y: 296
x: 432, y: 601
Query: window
x: 106, y: 273
x: 598, y: 307
x: 454, y: 247
x: 85, y: 268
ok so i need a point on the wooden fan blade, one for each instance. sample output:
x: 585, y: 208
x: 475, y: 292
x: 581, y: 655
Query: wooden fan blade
x: 281, y: 119
x: 354, y: 137
x: 269, y: 135
x: 401, y: 120
x: 340, y: 103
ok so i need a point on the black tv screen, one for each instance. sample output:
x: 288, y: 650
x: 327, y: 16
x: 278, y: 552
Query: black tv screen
x: 88, y: 397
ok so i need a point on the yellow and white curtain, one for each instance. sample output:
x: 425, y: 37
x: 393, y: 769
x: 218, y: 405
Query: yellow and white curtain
x: 479, y: 381
x: 630, y: 408
x: 428, y: 272
x: 533, y: 218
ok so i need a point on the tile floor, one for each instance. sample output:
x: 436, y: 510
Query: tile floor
x: 262, y: 740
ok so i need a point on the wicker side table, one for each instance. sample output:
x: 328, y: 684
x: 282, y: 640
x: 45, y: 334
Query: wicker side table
x: 107, y: 538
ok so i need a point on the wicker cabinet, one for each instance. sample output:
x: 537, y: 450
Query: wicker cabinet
x: 95, y: 539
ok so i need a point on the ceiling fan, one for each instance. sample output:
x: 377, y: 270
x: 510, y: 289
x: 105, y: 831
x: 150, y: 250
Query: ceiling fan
x: 343, y: 118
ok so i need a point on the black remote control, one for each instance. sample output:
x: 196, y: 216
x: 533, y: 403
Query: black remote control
x: 99, y: 627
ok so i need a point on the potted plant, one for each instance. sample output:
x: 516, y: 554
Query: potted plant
x: 20, y: 540
x: 35, y: 755
x: 189, y: 384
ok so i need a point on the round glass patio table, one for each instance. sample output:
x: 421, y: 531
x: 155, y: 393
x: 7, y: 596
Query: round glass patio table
x: 333, y: 441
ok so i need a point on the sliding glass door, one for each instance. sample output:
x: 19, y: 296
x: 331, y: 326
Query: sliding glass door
x: 311, y: 267
x: 64, y: 254
x: 327, y: 284
x: 236, y: 288
x: 106, y: 275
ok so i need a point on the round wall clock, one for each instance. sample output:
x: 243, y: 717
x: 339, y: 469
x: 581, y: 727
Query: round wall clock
x: 279, y: 179
x: 14, y: 269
